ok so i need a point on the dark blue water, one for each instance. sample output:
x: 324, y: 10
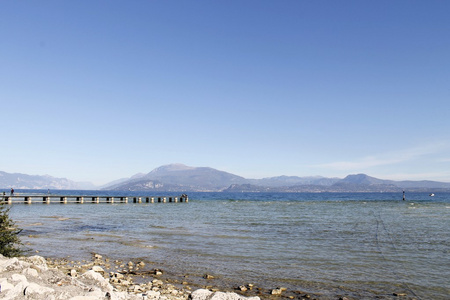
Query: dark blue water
x: 363, y: 245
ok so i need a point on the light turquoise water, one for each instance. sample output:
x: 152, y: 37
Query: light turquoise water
x: 361, y: 245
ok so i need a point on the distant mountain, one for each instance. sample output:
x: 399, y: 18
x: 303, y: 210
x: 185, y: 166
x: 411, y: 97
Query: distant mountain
x: 179, y: 177
x: 121, y: 180
x: 351, y: 183
x: 24, y: 181
x: 293, y: 180
x: 182, y: 178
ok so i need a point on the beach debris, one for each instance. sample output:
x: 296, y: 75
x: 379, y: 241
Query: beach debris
x: 208, y: 276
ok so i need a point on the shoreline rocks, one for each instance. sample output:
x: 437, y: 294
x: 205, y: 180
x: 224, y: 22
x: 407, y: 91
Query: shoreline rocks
x: 35, y: 277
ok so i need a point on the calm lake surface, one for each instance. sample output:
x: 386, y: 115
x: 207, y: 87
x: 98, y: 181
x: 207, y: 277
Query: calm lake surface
x: 363, y: 245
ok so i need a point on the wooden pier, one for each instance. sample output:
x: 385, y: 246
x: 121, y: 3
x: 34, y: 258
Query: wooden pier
x: 80, y: 199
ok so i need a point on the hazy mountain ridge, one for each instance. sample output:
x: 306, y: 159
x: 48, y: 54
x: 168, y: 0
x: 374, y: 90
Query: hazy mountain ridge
x: 24, y: 181
x: 178, y: 177
x: 181, y: 178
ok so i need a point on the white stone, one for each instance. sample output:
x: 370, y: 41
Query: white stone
x: 153, y: 295
x: 203, y: 294
x: 94, y: 295
x: 19, y: 277
x: 98, y: 269
x: 157, y: 282
x: 34, y: 289
x: 37, y: 261
x: 98, y: 278
x: 10, y: 264
x: 30, y: 272
x: 15, y: 292
x: 5, y: 285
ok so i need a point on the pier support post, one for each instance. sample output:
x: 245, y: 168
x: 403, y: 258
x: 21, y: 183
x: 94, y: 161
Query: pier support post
x: 110, y: 200
x: 80, y: 200
x: 176, y: 199
x: 95, y: 200
x: 63, y: 200
x: 46, y: 200
x: 27, y: 200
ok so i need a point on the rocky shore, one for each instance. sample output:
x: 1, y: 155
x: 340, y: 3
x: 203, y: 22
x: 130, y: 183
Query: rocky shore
x: 35, y: 277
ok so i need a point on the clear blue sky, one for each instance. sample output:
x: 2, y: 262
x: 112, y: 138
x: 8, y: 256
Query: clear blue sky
x: 99, y: 90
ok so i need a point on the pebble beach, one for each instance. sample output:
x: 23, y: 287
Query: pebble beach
x: 35, y: 277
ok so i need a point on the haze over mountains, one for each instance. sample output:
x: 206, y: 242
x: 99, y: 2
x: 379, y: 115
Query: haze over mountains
x: 182, y: 178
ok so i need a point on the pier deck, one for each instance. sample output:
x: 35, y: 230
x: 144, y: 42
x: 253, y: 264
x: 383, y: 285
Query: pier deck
x: 96, y: 199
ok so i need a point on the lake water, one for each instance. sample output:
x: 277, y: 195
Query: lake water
x: 363, y: 245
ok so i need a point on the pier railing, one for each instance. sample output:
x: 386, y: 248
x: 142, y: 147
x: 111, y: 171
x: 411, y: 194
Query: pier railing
x: 96, y: 199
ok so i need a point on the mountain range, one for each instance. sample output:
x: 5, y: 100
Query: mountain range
x: 179, y: 177
x: 182, y: 178
x: 24, y: 181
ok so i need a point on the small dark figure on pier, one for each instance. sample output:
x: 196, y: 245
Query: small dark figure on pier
x: 12, y: 192
x: 404, y: 197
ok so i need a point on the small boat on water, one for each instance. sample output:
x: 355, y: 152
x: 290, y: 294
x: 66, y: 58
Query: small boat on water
x: 431, y: 195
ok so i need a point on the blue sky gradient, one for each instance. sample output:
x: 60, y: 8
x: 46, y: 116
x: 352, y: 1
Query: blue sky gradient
x: 99, y: 90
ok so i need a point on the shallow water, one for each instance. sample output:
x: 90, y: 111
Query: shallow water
x: 361, y: 245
